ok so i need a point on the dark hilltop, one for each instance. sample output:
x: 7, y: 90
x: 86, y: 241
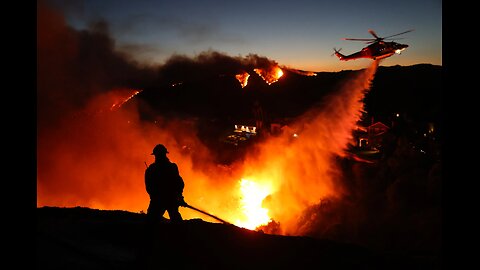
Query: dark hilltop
x: 83, y: 238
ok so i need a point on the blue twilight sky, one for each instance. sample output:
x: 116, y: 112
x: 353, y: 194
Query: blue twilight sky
x: 297, y: 33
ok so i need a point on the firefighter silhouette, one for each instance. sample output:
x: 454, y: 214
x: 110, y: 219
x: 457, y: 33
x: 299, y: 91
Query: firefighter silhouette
x: 165, y: 186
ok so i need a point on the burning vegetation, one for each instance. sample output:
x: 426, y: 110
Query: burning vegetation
x: 121, y: 100
x: 243, y: 78
x: 270, y: 75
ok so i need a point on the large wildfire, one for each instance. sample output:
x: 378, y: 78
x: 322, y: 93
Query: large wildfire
x: 92, y: 148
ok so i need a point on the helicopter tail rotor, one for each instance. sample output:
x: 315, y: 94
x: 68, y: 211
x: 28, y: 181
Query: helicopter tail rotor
x: 335, y: 51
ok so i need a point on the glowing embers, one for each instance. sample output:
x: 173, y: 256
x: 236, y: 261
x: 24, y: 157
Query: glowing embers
x: 270, y: 75
x: 252, y: 195
x: 243, y: 78
x: 121, y: 99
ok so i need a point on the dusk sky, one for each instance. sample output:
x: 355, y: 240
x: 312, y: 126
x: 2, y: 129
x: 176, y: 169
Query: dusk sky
x: 299, y: 34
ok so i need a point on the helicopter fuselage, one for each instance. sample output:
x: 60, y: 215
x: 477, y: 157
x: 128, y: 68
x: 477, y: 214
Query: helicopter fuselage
x: 376, y: 51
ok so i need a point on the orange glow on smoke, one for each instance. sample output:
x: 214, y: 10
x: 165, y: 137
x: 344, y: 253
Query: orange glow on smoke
x: 270, y: 75
x: 97, y: 160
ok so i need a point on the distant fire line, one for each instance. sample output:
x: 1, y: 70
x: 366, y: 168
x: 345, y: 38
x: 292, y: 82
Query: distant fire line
x: 117, y: 105
x: 270, y: 75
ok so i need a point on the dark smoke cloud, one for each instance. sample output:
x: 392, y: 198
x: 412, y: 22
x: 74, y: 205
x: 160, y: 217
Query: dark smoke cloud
x: 142, y: 51
x: 208, y: 63
x: 73, y: 66
x: 205, y: 85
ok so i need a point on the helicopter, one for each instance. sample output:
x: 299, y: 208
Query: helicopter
x: 378, y: 48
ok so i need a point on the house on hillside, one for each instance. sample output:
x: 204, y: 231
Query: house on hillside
x: 370, y: 137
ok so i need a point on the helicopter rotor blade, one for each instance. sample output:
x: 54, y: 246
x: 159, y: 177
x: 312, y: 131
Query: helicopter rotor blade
x: 373, y: 33
x: 360, y: 39
x: 400, y: 33
x: 377, y: 38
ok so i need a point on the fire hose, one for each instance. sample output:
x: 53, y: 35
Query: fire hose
x: 205, y: 213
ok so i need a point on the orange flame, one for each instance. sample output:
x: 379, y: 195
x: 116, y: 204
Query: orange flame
x: 252, y: 196
x: 270, y: 75
x: 243, y: 78
x: 120, y: 101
